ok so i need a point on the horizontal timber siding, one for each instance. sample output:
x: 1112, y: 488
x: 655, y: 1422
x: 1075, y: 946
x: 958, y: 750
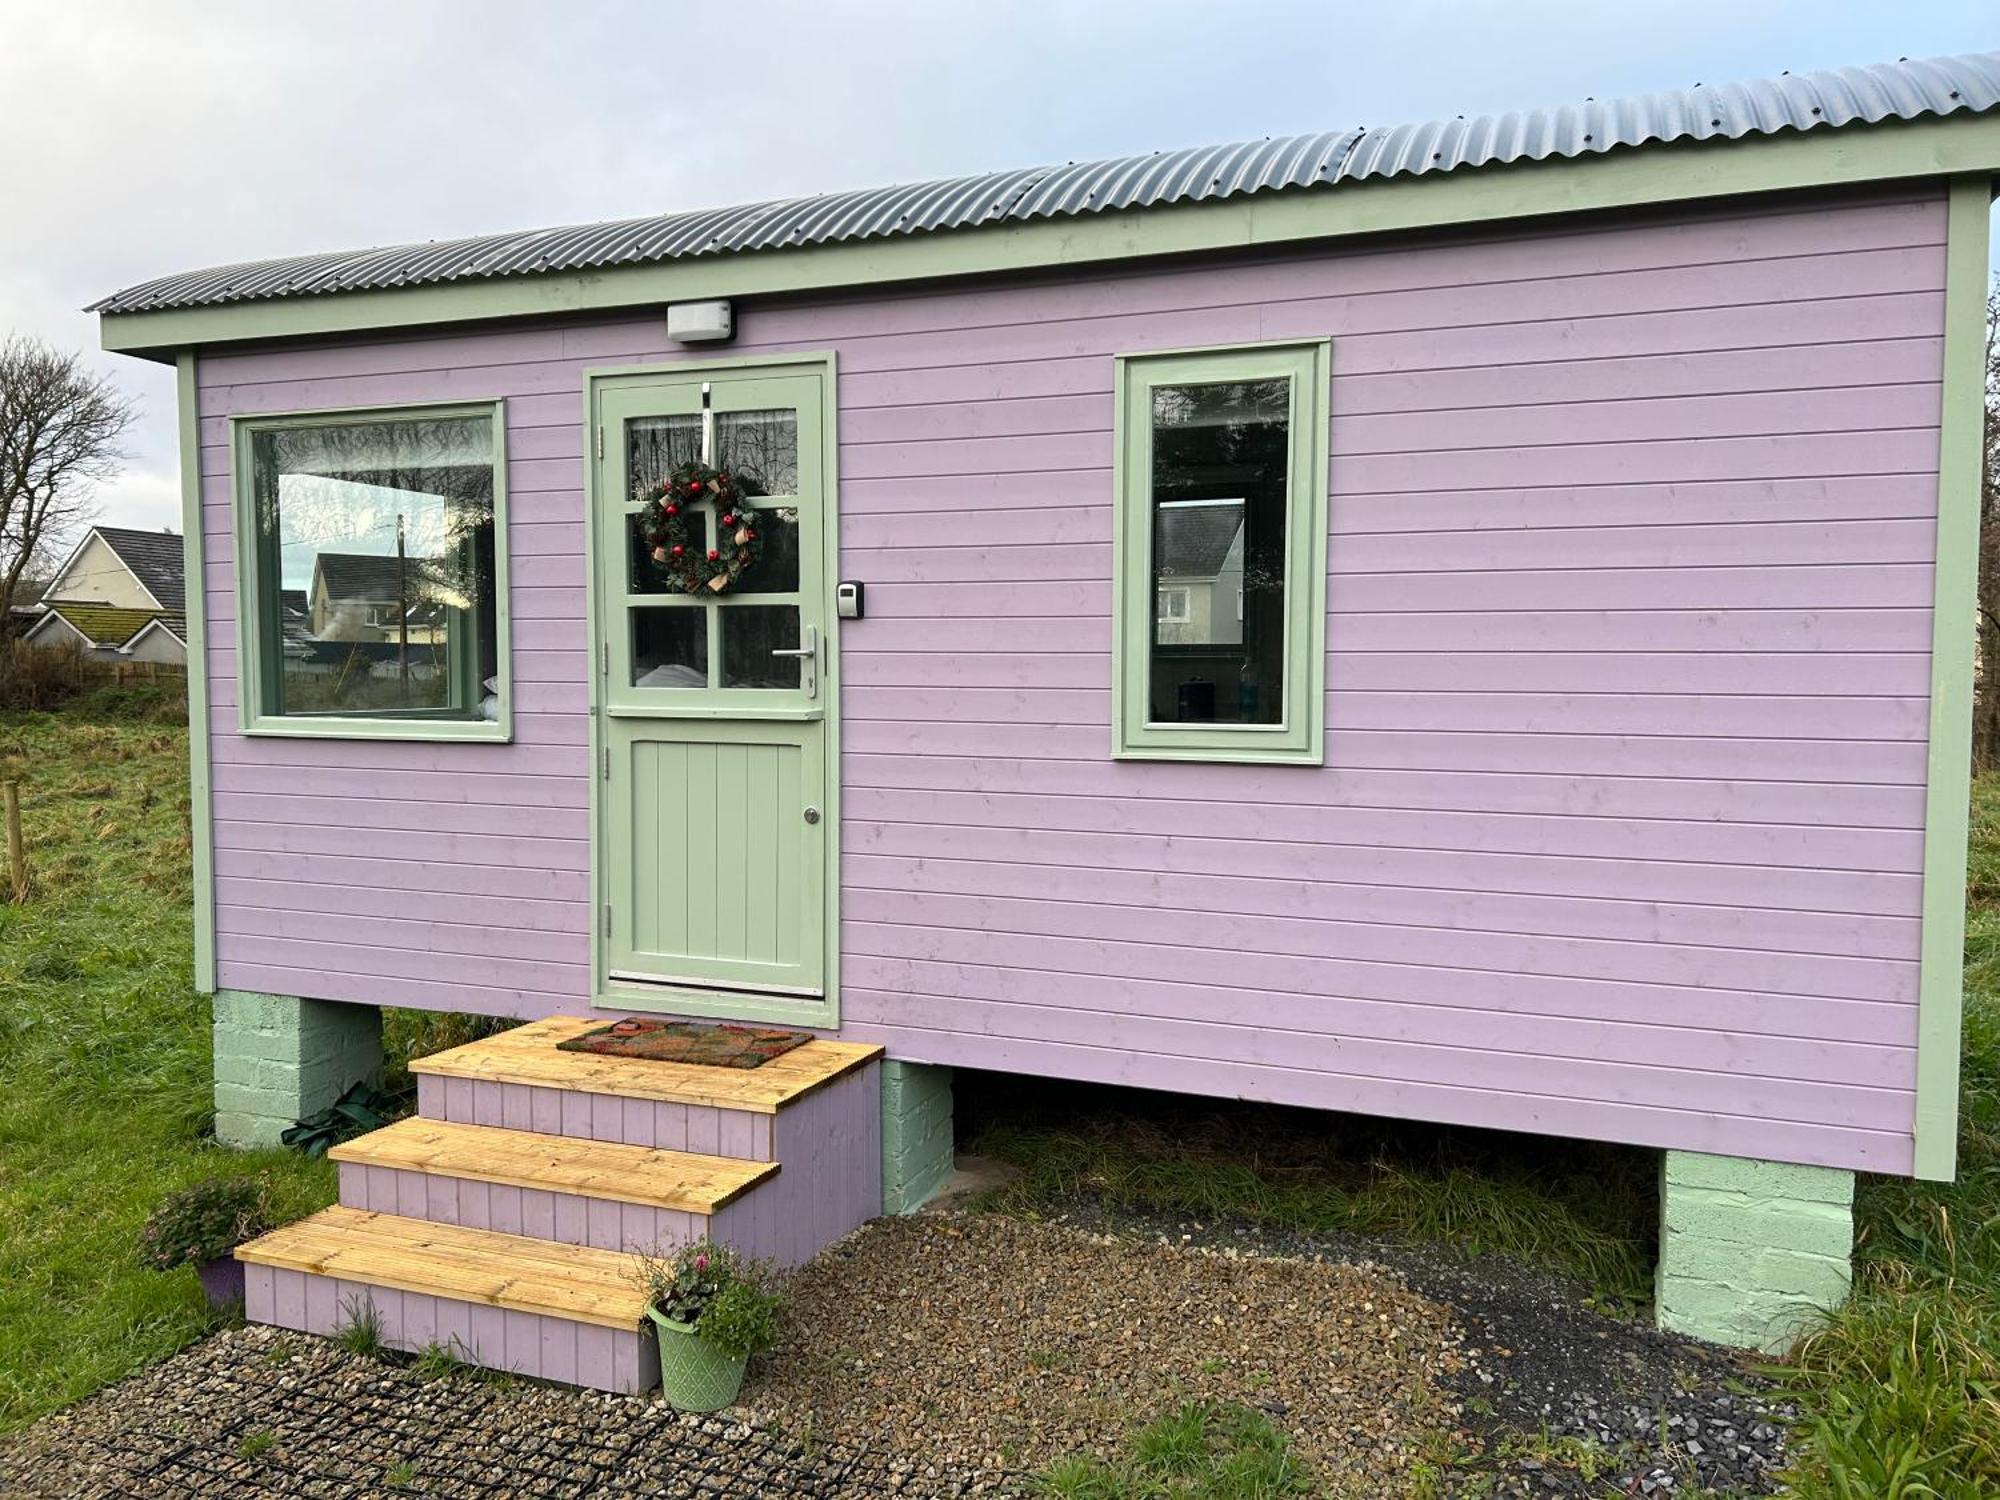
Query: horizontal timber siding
x: 1620, y: 829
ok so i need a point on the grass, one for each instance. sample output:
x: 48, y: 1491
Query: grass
x: 1587, y: 1208
x: 1201, y: 1451
x: 105, y: 1064
x: 104, y: 1054
x: 1901, y: 1389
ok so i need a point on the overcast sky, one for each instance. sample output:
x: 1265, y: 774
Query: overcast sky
x: 139, y: 137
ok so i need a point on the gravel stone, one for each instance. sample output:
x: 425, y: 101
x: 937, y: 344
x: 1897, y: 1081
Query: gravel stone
x: 982, y: 1341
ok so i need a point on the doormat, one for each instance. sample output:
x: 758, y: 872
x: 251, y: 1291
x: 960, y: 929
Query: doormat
x: 688, y: 1042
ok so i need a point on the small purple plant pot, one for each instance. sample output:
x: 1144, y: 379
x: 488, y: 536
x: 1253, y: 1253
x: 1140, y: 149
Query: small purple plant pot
x: 222, y: 1280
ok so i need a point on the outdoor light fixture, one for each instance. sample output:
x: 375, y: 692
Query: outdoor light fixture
x: 700, y: 323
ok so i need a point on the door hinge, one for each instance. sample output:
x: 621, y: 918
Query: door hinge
x: 600, y: 440
x: 607, y: 919
x: 604, y: 659
x: 607, y: 762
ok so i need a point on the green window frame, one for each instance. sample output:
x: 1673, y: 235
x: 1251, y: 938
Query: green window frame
x: 1299, y: 733
x: 258, y: 601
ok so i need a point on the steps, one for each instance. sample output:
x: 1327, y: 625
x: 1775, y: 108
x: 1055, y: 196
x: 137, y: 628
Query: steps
x: 504, y: 1222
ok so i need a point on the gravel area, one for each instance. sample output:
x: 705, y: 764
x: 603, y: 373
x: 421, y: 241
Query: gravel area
x: 1625, y: 1409
x: 983, y: 1341
x: 949, y: 1355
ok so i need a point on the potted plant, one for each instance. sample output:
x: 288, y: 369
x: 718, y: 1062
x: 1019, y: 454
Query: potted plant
x: 713, y: 1309
x: 201, y: 1226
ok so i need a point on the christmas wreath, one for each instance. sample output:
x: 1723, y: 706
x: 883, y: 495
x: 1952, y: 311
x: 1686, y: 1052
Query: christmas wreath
x: 677, y: 538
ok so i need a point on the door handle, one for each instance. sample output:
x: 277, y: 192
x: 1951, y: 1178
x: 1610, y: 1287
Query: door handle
x: 807, y: 656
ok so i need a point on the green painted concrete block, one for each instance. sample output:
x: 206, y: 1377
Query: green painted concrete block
x: 1751, y: 1250
x: 279, y: 1059
x: 916, y: 1134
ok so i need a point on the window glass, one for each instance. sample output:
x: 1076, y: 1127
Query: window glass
x: 750, y: 633
x: 761, y: 448
x: 656, y: 446
x: 377, y: 548
x: 670, y: 647
x: 1221, y: 456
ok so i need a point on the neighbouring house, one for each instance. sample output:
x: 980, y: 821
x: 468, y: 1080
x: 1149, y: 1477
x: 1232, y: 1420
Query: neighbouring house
x: 119, y: 596
x: 1465, y: 622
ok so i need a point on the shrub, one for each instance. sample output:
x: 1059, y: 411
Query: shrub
x: 205, y: 1222
x: 726, y: 1298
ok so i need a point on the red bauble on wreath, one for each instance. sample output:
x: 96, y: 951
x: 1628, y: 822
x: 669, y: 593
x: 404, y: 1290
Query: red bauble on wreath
x: 677, y: 541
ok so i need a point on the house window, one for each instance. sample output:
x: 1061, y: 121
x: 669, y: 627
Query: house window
x: 1220, y: 565
x: 373, y: 548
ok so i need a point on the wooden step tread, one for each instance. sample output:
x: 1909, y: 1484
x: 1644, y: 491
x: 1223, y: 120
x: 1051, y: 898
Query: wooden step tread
x: 682, y: 1180
x: 528, y: 1054
x: 466, y: 1265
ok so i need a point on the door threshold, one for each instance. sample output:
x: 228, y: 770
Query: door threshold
x: 710, y: 987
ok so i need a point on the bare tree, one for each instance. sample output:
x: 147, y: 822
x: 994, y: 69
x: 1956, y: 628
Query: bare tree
x: 59, y: 431
x: 1986, y: 691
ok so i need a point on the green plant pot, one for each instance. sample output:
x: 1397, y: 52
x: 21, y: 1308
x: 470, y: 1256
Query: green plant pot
x: 694, y: 1374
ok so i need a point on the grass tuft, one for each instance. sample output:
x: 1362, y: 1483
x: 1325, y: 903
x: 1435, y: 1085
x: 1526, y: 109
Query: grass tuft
x: 1201, y: 1451
x: 362, y: 1332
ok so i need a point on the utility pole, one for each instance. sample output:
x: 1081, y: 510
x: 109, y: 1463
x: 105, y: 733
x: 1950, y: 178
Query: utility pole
x: 402, y: 611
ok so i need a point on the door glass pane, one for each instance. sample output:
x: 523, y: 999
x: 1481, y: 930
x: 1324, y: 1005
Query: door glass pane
x: 644, y: 575
x: 750, y: 633
x: 670, y: 647
x: 776, y: 570
x: 1220, y: 460
x: 656, y: 446
x: 761, y: 448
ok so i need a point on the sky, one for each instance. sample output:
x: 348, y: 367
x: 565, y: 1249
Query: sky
x: 141, y: 137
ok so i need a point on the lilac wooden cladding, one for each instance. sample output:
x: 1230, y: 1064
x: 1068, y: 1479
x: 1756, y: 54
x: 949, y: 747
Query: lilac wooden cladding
x: 567, y: 1218
x: 597, y: 1117
x: 1620, y: 830
x: 519, y: 1343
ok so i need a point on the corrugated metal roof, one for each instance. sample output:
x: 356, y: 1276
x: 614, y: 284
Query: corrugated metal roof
x: 1903, y: 90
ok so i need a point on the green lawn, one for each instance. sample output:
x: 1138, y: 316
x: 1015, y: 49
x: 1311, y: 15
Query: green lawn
x: 104, y: 1061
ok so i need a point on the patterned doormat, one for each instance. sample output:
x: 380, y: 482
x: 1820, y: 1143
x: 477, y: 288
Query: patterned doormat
x: 688, y: 1042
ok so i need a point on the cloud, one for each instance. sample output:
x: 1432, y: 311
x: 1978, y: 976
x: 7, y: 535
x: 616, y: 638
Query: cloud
x: 144, y: 138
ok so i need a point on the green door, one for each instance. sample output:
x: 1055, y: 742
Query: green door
x: 714, y: 833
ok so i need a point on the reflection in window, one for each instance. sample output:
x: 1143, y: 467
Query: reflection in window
x: 377, y: 540
x: 761, y: 448
x: 1220, y: 459
x: 656, y: 446
x: 750, y: 633
x: 670, y: 647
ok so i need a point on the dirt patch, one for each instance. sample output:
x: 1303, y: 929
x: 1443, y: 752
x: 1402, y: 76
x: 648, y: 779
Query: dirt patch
x: 987, y: 1342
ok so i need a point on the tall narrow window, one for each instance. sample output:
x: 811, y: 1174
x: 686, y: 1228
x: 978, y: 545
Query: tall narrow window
x: 1221, y: 554
x: 372, y: 560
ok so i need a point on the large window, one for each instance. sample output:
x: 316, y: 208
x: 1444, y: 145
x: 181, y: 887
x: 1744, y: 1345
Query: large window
x: 1221, y: 554
x: 372, y: 560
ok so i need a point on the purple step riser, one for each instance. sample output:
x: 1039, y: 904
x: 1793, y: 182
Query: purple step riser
x: 518, y: 1343
x: 598, y: 1117
x: 538, y: 1213
x: 829, y: 1181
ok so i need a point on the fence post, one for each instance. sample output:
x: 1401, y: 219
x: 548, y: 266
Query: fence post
x: 17, y: 853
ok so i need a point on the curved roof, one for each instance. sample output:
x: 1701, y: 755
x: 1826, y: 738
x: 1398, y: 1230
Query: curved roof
x: 1904, y: 90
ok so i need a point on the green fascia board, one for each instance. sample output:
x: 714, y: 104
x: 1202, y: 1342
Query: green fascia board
x: 1626, y: 178
x: 201, y: 825
x: 257, y: 677
x: 1948, y: 789
x: 1301, y: 738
